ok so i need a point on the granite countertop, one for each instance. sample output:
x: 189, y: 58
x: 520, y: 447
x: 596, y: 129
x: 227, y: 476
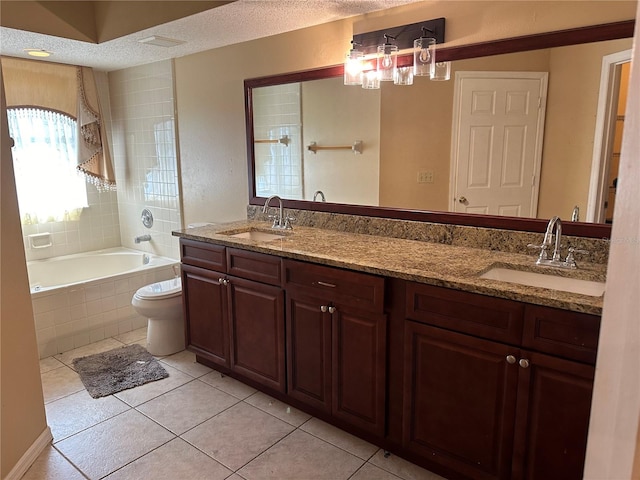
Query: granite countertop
x: 425, y: 262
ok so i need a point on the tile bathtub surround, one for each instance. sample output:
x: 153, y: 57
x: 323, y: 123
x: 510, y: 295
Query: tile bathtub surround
x: 507, y: 241
x: 75, y: 316
x: 145, y: 155
x: 199, y: 429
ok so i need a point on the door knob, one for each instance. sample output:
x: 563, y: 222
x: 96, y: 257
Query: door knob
x: 463, y: 200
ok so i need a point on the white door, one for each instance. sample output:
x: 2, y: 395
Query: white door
x: 498, y: 123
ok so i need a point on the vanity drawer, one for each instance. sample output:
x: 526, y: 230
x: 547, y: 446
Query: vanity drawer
x: 479, y: 315
x: 563, y: 333
x: 204, y: 255
x: 254, y: 266
x: 343, y: 287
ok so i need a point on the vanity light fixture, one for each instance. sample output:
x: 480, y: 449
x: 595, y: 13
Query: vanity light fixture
x: 353, y: 66
x: 417, y: 40
x: 387, y: 61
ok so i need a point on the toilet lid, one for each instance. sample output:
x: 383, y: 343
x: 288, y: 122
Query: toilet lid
x: 158, y: 290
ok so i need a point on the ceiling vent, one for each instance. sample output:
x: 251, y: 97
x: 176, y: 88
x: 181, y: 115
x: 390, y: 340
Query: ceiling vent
x: 161, y: 41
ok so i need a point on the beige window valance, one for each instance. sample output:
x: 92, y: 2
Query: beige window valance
x: 71, y: 90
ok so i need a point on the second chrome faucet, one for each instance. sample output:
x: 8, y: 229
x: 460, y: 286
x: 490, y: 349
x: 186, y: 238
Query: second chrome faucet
x: 554, y: 259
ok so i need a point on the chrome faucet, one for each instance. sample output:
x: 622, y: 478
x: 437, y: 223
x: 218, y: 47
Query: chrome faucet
x: 279, y: 221
x: 319, y: 192
x: 142, y: 238
x: 554, y: 260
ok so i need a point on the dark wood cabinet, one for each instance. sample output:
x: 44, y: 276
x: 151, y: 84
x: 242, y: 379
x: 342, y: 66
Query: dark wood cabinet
x: 206, y: 308
x: 492, y: 410
x: 235, y: 322
x: 336, y: 359
x: 459, y: 401
x: 467, y: 385
x: 256, y: 313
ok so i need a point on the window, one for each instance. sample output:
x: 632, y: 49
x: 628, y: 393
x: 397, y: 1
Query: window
x: 44, y: 158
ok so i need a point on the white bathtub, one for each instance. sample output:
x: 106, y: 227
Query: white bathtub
x: 83, y: 298
x: 89, y: 266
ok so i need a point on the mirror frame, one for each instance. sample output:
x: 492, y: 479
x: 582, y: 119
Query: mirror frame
x: 575, y: 36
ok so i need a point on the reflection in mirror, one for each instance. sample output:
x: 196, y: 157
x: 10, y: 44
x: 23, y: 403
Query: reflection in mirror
x: 406, y: 133
x: 412, y: 146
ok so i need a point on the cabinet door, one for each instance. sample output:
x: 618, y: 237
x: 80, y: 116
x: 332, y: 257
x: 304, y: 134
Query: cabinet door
x: 309, y: 351
x: 257, y: 332
x: 554, y: 404
x: 205, y: 308
x: 359, y: 365
x: 459, y: 401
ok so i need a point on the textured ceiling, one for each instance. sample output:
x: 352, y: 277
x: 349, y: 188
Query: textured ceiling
x: 235, y: 22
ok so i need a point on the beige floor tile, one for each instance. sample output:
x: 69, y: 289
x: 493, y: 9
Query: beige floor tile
x: 371, y: 472
x: 185, y: 361
x: 278, y: 409
x: 174, y: 460
x: 97, y: 347
x: 237, y: 435
x: 50, y: 465
x: 59, y: 383
x: 132, y: 336
x: 110, y: 445
x: 187, y: 406
x: 301, y: 455
x: 228, y: 385
x: 49, y: 363
x: 78, y: 411
x: 148, y: 391
x: 339, y: 438
x: 403, y: 469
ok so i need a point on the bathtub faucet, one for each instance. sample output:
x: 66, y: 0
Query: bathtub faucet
x: 143, y: 238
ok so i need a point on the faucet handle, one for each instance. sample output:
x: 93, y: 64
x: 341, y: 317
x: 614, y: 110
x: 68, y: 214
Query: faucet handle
x: 570, y: 260
x: 287, y: 222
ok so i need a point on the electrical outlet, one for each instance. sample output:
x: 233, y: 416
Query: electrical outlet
x: 425, y: 176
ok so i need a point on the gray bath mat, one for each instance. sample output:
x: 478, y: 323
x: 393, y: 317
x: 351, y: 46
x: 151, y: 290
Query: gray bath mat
x: 119, y: 369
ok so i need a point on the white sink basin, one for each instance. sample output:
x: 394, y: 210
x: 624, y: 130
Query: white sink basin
x: 553, y: 282
x: 258, y: 236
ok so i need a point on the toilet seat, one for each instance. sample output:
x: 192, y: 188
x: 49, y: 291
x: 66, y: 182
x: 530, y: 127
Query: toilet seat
x: 160, y: 290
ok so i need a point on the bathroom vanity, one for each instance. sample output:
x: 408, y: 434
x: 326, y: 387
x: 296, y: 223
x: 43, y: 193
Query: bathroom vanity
x: 401, y: 343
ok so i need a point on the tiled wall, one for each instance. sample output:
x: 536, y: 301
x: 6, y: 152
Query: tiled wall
x: 145, y: 155
x: 97, y: 228
x: 77, y: 315
x: 276, y: 114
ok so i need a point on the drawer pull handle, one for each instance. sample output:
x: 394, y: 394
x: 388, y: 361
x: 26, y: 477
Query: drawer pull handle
x: 524, y: 363
x: 325, y: 284
x: 332, y: 309
x: 511, y: 359
x: 323, y: 308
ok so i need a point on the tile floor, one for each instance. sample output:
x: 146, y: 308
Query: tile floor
x: 195, y: 424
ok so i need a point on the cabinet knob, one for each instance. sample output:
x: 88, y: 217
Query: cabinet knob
x: 323, y: 308
x: 332, y: 309
x: 524, y: 363
x: 511, y: 359
x: 223, y: 281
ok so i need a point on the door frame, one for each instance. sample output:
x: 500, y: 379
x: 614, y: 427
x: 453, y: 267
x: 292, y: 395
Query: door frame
x: 544, y: 82
x: 603, y: 138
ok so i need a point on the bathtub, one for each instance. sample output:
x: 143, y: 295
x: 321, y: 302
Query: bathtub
x: 83, y: 298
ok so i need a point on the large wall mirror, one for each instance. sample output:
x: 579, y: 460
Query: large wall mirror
x: 324, y: 146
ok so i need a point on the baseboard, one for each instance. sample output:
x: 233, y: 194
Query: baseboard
x: 30, y: 455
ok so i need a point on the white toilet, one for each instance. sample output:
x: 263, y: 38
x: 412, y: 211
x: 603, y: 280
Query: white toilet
x: 161, y: 303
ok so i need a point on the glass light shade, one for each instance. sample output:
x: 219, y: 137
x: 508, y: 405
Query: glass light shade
x: 441, y: 71
x: 353, y: 65
x: 371, y: 80
x: 387, y: 62
x: 424, y: 56
x: 404, y: 76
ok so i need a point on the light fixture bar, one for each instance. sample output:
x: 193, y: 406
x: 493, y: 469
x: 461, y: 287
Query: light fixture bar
x: 404, y: 35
